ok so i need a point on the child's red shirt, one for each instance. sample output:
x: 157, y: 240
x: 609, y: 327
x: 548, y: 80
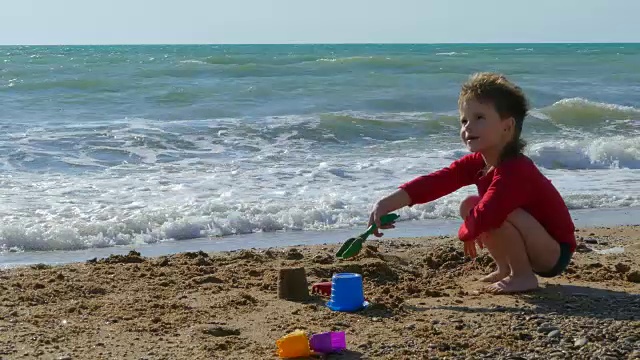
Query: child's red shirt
x: 514, y: 183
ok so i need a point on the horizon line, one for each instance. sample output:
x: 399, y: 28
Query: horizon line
x: 333, y: 43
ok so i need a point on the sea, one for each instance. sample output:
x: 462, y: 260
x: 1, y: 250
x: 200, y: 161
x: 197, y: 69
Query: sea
x: 166, y: 148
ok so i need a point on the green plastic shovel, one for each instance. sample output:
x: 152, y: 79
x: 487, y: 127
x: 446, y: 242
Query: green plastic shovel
x: 352, y: 246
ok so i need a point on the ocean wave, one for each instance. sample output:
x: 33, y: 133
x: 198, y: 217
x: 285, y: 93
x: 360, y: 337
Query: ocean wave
x: 349, y: 126
x: 452, y: 53
x: 231, y: 60
x: 143, y: 181
x: 144, y: 141
x: 600, y: 153
x: 75, y: 84
x: 244, y: 59
x: 417, y: 63
x: 355, y: 59
x: 193, y: 62
x: 310, y: 62
x: 583, y: 112
x: 101, y: 225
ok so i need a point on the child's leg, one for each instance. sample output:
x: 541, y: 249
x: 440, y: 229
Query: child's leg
x: 508, y: 239
x: 497, y: 253
x: 527, y: 247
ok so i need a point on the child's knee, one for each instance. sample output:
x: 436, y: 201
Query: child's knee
x: 467, y: 204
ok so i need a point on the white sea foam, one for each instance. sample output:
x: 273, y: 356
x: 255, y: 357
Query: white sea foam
x: 140, y: 181
x: 451, y: 53
x: 193, y: 62
x: 598, y: 153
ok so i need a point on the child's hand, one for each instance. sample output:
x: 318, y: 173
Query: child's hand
x: 374, y: 218
x: 470, y: 249
x: 480, y: 240
x: 393, y: 202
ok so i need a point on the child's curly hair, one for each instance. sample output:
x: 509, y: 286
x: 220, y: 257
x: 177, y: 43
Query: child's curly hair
x: 507, y: 98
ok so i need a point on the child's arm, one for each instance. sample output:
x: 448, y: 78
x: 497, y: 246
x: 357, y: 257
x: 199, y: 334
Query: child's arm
x: 508, y: 191
x: 429, y: 187
x: 396, y: 200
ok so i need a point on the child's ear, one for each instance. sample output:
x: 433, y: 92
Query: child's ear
x: 509, y: 124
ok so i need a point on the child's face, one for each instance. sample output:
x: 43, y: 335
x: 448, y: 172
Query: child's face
x: 481, y: 128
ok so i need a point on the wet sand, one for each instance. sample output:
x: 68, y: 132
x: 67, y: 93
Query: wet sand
x: 426, y: 304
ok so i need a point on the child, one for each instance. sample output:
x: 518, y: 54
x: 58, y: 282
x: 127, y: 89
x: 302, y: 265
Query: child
x: 518, y: 216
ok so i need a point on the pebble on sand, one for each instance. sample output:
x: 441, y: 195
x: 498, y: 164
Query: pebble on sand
x: 581, y: 342
x: 546, y: 328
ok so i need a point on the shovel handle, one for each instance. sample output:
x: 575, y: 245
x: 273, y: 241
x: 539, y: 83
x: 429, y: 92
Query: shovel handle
x: 384, y: 220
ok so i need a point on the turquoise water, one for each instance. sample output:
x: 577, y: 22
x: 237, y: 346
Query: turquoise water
x: 119, y: 145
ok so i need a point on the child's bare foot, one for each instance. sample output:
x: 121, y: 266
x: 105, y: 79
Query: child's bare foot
x: 514, y: 284
x: 495, y: 276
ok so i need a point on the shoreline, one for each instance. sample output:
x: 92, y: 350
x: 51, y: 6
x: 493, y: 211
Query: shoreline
x: 426, y: 303
x: 415, y: 228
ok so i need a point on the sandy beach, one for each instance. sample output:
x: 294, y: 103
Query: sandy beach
x: 426, y: 304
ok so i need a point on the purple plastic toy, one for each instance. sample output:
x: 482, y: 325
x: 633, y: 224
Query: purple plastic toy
x: 328, y: 342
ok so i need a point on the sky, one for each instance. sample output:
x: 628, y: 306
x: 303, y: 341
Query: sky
x: 325, y: 21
